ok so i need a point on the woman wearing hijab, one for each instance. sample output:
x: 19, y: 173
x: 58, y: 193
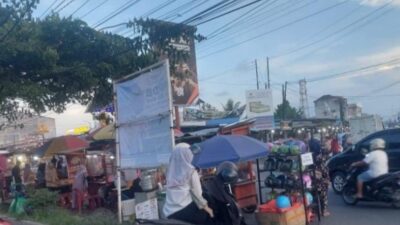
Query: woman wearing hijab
x: 184, y: 199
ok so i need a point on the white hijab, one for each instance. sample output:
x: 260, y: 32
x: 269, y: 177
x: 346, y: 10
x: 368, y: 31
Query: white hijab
x: 180, y: 166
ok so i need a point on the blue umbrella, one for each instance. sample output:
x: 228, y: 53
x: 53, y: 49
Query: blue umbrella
x: 234, y: 148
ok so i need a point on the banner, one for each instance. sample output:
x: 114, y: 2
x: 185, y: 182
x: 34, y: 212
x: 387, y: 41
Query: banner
x: 259, y: 105
x: 144, y: 120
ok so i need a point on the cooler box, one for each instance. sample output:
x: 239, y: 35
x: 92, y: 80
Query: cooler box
x: 269, y: 215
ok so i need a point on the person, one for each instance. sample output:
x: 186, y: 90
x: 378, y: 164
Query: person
x: 335, y: 146
x: 27, y: 173
x: 184, y: 200
x: 41, y: 175
x: 61, y: 167
x: 79, y: 187
x: 377, y: 160
x: 51, y: 178
x: 320, y: 156
x: 16, y: 174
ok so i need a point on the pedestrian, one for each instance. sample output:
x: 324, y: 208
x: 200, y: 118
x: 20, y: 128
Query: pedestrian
x: 27, y: 173
x: 51, y: 178
x: 79, y: 187
x: 41, y: 175
x: 322, y: 179
x: 335, y: 146
x: 16, y: 175
x: 184, y: 199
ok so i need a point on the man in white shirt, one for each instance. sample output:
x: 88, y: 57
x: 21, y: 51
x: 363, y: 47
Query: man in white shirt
x: 377, y: 160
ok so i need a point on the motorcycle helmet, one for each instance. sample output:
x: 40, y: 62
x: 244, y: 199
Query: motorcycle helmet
x: 270, y: 164
x: 281, y: 181
x: 283, y: 202
x: 286, y: 166
x: 377, y: 143
x: 228, y: 172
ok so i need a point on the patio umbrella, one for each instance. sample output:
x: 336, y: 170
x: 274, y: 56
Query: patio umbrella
x: 63, y: 144
x: 234, y: 148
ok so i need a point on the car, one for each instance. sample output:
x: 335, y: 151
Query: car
x: 339, y: 164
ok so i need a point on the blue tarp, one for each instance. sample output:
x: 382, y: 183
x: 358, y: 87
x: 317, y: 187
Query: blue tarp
x: 234, y: 148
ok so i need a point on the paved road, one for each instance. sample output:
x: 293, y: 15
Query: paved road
x: 361, y: 214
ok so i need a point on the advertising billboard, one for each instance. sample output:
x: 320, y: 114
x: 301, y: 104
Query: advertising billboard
x: 144, y: 117
x: 259, y: 105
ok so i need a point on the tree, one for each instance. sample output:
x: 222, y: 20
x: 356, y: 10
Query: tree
x: 232, y: 108
x: 286, y: 112
x: 49, y: 63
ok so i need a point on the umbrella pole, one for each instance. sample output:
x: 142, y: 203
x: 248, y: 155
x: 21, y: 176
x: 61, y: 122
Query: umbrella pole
x: 259, y: 182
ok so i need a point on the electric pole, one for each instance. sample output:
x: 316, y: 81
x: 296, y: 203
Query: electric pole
x: 269, y: 82
x: 258, y: 84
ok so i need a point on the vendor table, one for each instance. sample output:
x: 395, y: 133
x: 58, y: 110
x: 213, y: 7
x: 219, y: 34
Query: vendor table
x: 245, y: 193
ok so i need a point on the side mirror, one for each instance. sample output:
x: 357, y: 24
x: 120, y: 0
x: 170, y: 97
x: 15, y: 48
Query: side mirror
x: 364, y: 151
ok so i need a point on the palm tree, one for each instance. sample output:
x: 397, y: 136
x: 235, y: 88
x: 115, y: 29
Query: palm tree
x: 232, y: 108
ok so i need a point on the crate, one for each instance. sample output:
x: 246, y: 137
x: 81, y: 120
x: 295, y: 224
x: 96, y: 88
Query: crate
x: 292, y: 216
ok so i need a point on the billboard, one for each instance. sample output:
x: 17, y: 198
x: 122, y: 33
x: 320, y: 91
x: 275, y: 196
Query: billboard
x: 185, y: 88
x: 144, y: 117
x: 259, y: 105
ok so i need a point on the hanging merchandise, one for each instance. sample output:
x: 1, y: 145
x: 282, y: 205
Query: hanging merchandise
x: 309, y: 198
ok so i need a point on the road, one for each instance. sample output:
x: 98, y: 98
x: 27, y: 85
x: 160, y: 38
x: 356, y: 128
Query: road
x: 362, y: 214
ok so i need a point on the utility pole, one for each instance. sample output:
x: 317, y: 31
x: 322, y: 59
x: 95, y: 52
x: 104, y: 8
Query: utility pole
x: 258, y: 84
x: 269, y: 81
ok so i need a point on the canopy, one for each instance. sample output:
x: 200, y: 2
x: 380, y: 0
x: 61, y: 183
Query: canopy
x: 234, y: 148
x: 61, y: 145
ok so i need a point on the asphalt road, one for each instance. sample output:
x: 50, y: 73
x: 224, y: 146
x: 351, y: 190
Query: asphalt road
x: 364, y: 213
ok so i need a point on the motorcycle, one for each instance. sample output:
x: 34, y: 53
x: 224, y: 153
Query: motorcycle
x: 385, y: 188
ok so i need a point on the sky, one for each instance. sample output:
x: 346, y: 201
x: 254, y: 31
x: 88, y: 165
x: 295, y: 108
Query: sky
x: 304, y: 39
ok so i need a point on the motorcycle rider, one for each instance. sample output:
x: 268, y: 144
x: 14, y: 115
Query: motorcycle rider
x: 377, y: 160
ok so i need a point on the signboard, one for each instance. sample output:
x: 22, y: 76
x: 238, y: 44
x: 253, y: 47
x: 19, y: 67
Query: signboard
x: 259, y: 105
x: 307, y: 159
x: 147, y: 210
x: 144, y: 120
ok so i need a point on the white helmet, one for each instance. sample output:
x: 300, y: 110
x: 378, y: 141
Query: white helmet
x: 377, y: 143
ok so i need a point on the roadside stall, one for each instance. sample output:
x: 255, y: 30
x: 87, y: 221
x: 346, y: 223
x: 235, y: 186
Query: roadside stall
x: 238, y: 149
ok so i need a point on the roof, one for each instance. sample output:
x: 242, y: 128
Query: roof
x: 325, y: 97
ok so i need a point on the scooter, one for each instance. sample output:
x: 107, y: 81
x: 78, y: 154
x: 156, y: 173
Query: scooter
x: 385, y: 188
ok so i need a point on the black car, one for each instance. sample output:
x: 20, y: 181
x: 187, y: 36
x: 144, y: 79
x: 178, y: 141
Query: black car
x: 340, y: 164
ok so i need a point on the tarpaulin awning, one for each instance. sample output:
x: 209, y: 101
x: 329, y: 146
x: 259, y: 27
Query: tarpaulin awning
x: 61, y: 145
x: 234, y: 148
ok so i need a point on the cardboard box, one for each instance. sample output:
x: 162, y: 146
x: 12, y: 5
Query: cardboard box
x: 293, y: 216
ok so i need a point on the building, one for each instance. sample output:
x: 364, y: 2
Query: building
x: 331, y: 107
x: 26, y: 133
x: 354, y: 110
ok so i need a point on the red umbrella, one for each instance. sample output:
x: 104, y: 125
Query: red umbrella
x: 63, y: 144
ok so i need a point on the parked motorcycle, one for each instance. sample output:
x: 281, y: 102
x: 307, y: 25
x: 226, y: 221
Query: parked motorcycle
x: 385, y: 188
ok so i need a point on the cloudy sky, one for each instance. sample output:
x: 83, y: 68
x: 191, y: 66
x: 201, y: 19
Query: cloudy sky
x: 313, y: 39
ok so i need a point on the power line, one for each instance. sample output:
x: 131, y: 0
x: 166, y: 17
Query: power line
x: 158, y: 8
x: 229, y: 12
x: 45, y: 11
x: 175, y: 10
x: 250, y: 26
x: 92, y: 10
x: 60, y: 4
x: 66, y: 5
x: 276, y: 29
x: 80, y: 7
x: 190, y: 9
x: 198, y: 15
x: 336, y: 75
x: 123, y: 8
x: 345, y: 34
x: 335, y: 32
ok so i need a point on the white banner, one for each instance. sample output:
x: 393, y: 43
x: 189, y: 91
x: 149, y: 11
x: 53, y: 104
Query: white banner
x: 144, y: 120
x: 259, y: 103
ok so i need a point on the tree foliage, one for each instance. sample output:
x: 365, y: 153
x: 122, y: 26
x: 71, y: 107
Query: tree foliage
x: 232, y: 108
x: 286, y: 112
x: 51, y: 62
